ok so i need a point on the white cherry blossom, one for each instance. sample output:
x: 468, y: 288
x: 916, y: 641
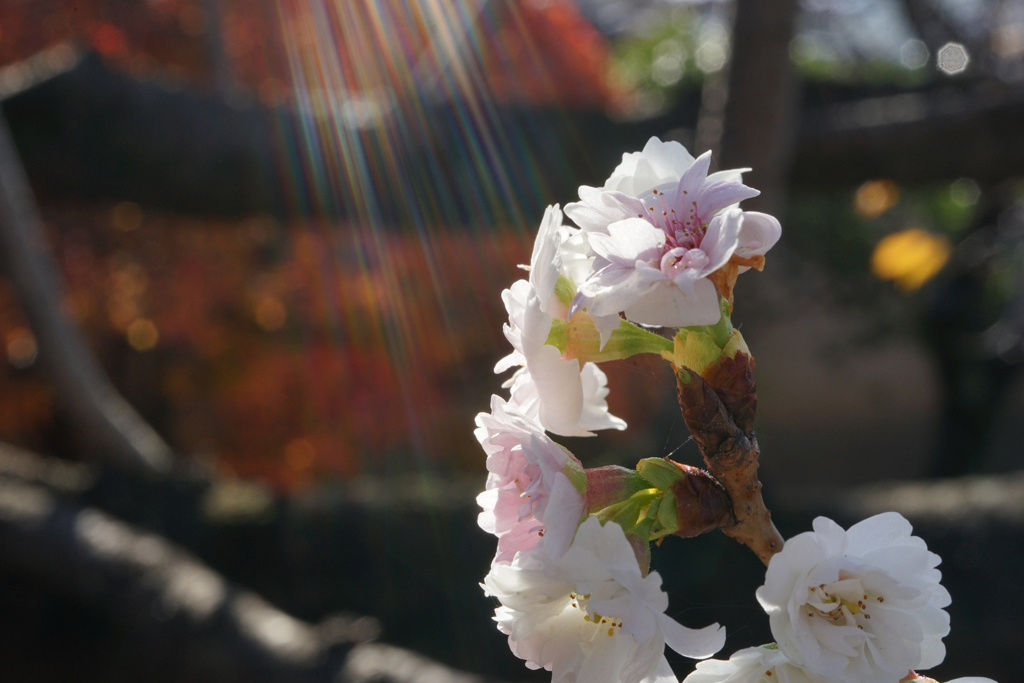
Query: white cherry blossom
x: 529, y: 492
x: 752, y: 665
x: 657, y: 234
x: 559, y: 394
x: 590, y: 616
x: 858, y: 605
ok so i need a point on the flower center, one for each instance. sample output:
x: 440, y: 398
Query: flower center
x: 679, y: 259
x: 603, y: 625
x: 844, y: 602
x: 681, y: 225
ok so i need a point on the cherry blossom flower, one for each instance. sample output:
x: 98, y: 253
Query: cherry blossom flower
x: 590, y: 615
x: 530, y: 489
x: 559, y: 394
x: 857, y: 605
x: 658, y: 237
x: 765, y: 664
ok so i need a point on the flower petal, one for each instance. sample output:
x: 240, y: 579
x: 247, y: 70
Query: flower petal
x: 665, y: 305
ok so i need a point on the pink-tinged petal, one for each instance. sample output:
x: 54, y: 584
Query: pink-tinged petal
x: 758, y: 234
x: 665, y: 305
x: 612, y: 290
x: 732, y: 175
x: 721, y: 239
x: 596, y: 210
x: 487, y: 520
x: 691, y: 182
x: 565, y: 507
x: 523, y: 538
x: 713, y: 197
x: 628, y: 241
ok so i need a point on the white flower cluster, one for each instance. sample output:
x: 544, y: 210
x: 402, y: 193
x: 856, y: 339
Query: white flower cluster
x: 660, y: 245
x: 573, y: 597
x: 646, y: 246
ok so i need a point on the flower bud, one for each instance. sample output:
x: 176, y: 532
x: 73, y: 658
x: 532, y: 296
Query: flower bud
x: 701, y: 503
x: 610, y: 485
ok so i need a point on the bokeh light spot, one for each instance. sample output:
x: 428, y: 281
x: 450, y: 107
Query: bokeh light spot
x: 710, y: 56
x: 21, y: 347
x: 875, y: 198
x: 910, y: 258
x: 142, y: 334
x: 271, y: 314
x: 952, y: 58
x: 914, y: 54
x: 126, y: 216
x: 964, y: 192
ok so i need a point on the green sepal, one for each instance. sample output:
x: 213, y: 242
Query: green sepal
x: 565, y: 290
x: 559, y: 335
x: 629, y: 512
x: 576, y: 474
x: 722, y: 330
x: 660, y: 472
x: 668, y: 515
x: 580, y: 339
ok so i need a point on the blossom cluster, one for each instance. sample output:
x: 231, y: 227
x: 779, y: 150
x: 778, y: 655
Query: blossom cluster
x: 660, y: 245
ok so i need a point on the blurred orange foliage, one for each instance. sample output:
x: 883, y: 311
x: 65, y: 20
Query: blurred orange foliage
x: 529, y: 51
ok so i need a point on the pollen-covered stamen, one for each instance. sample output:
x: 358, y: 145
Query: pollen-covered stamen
x: 844, y: 602
x: 680, y: 223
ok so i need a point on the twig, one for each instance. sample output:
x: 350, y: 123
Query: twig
x: 80, y: 382
x: 730, y: 454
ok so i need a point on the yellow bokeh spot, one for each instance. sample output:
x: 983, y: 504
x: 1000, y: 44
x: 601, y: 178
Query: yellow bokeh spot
x: 910, y: 258
x: 270, y: 313
x: 875, y: 198
x: 142, y: 334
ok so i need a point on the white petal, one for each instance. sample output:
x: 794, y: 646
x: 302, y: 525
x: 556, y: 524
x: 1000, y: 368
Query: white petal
x: 721, y: 239
x: 758, y: 234
x: 628, y: 241
x: 695, y: 643
x: 663, y: 674
x: 545, y: 265
x: 666, y: 305
x: 559, y: 389
x: 564, y: 508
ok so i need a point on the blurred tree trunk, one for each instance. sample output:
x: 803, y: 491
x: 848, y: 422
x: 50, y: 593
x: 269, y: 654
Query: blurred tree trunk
x: 761, y: 109
x: 80, y: 382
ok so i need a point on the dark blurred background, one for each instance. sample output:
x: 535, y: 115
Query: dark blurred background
x: 282, y: 228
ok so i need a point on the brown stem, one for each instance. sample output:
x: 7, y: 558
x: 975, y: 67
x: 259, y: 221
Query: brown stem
x: 730, y: 454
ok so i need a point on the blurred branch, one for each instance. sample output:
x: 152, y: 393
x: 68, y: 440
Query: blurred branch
x: 79, y: 380
x: 207, y: 628
x: 913, y: 138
